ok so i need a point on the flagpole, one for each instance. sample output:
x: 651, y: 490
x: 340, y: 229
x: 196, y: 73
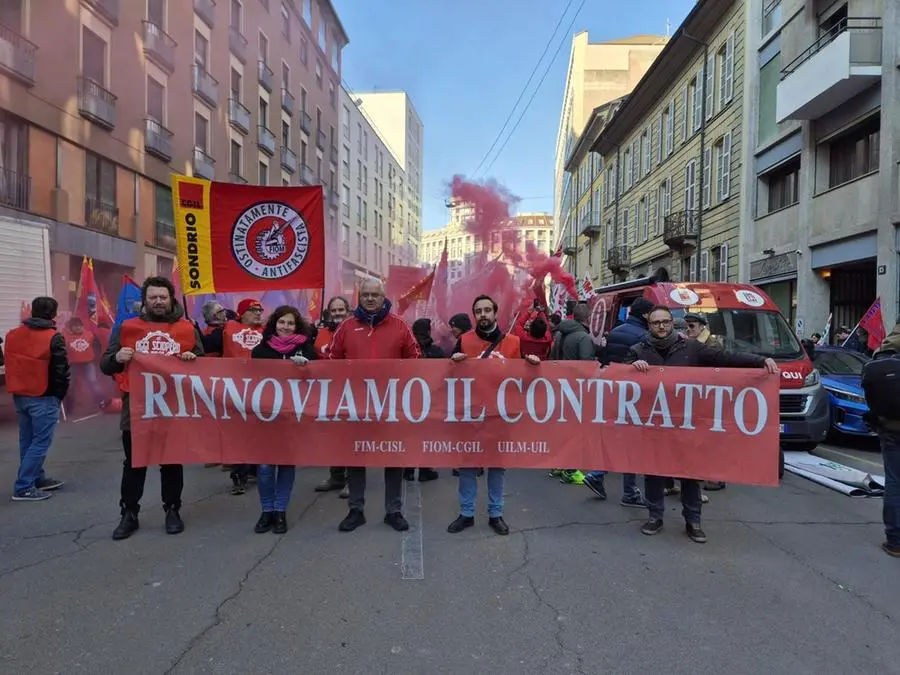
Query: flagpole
x: 852, y: 332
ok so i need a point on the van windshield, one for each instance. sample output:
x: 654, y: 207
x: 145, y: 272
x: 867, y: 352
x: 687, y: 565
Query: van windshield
x: 754, y: 331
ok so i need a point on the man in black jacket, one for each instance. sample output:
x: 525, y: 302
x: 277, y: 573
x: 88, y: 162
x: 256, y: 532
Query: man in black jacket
x: 663, y: 346
x: 421, y: 330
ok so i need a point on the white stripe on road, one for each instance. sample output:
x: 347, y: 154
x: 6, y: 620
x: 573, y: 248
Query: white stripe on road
x: 848, y: 456
x: 412, y: 559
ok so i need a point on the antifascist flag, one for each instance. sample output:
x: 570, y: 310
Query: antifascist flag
x: 248, y: 238
x: 873, y: 323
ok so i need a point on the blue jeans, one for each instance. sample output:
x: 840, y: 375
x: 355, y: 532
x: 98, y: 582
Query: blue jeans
x: 38, y: 416
x: 630, y: 489
x: 890, y: 452
x: 468, y: 491
x: 275, y: 484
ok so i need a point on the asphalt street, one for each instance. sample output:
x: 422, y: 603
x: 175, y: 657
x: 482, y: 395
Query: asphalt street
x: 791, y: 581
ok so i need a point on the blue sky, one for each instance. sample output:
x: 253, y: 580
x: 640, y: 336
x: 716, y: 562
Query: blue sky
x: 464, y: 63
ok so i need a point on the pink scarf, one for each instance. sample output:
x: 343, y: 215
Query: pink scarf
x: 286, y: 344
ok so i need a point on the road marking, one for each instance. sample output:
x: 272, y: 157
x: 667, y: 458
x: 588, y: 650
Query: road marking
x: 412, y: 559
x: 853, y: 457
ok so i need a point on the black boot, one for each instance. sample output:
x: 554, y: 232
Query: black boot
x: 265, y: 522
x: 127, y: 526
x: 174, y: 523
x: 426, y: 475
x: 280, y: 522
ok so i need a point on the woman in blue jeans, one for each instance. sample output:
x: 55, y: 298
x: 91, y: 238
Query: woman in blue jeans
x: 288, y: 337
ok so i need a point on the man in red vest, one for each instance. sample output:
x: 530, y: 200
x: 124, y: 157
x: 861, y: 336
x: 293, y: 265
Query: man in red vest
x: 486, y: 341
x: 80, y: 347
x: 160, y: 330
x: 37, y: 376
x: 372, y: 332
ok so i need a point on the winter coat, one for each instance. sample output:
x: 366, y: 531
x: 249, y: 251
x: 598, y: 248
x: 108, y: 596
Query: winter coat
x: 692, y: 353
x: 622, y: 337
x: 573, y: 342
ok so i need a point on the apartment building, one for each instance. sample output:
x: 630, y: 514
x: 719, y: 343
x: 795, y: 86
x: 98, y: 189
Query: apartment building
x: 671, y: 156
x: 821, y: 186
x: 101, y: 100
x: 597, y: 74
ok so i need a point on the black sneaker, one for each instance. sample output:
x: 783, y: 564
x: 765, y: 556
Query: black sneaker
x: 329, y: 484
x: 892, y: 550
x: 498, y: 525
x: 652, y: 526
x: 460, y: 524
x: 397, y: 521
x: 48, y: 484
x: 456, y: 472
x: 238, y: 484
x: 426, y: 475
x: 280, y: 522
x: 127, y: 526
x: 174, y: 523
x: 695, y: 533
x: 635, y: 501
x: 265, y: 522
x: 31, y: 495
x: 409, y: 474
x: 713, y: 485
x: 595, y: 485
x: 353, y: 520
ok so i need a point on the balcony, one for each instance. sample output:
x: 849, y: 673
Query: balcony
x: 206, y: 10
x: 237, y: 43
x: 266, y: 140
x: 618, y: 259
x: 334, y: 155
x: 235, y: 177
x: 100, y: 215
x: 306, y: 123
x: 157, y: 140
x: 265, y: 75
x: 206, y: 87
x: 17, y: 56
x: 590, y: 225
x: 108, y: 10
x: 287, y: 101
x: 569, y: 249
x: 159, y: 47
x: 204, y: 165
x: 307, y: 175
x: 680, y: 229
x: 164, y: 232
x: 320, y: 141
x: 96, y: 103
x: 238, y: 116
x: 15, y: 189
x: 288, y: 159
x: 835, y: 68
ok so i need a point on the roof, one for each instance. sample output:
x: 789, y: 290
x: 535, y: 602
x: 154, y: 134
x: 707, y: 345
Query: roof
x: 636, y: 40
x: 599, y: 117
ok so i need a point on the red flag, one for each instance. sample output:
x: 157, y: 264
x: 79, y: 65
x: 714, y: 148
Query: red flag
x: 558, y: 252
x: 88, y: 307
x: 25, y: 310
x: 873, y: 323
x: 421, y: 290
x: 314, y: 304
x: 537, y: 287
x: 401, y: 278
x: 441, y: 286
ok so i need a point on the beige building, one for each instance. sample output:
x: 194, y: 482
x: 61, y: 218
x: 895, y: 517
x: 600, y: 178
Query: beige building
x: 597, y: 74
x: 380, y: 201
x: 102, y: 100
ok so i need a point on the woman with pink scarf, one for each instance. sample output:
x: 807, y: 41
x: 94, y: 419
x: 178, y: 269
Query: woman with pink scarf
x: 288, y: 337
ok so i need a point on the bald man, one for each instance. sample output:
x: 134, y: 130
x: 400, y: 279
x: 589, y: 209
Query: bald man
x: 372, y: 332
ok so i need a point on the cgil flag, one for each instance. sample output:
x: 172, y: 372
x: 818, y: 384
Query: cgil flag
x: 248, y: 238
x: 873, y: 323
x: 88, y: 305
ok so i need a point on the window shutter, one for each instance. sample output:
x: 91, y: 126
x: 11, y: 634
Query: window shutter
x: 670, y: 128
x: 668, y: 209
x: 725, y: 169
x: 635, y: 160
x: 707, y: 177
x: 660, y: 133
x: 710, y: 85
x: 728, y: 88
x: 723, y: 262
x: 646, y: 216
x: 693, y: 267
x: 698, y: 100
x: 704, y: 265
x: 690, y: 177
x: 686, y: 96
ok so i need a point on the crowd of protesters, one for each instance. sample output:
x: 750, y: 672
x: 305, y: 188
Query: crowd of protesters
x: 40, y: 363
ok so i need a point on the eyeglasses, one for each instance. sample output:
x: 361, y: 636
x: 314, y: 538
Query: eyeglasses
x: 660, y: 324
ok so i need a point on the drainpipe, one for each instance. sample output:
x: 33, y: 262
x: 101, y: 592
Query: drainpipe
x: 705, y: 46
x: 616, y: 193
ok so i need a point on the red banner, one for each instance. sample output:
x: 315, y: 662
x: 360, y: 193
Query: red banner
x: 401, y: 278
x: 712, y: 424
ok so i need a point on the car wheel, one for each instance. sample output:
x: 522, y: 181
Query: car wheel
x: 802, y: 447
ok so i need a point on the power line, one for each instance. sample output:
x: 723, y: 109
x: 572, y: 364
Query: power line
x: 525, y: 88
x: 538, y: 88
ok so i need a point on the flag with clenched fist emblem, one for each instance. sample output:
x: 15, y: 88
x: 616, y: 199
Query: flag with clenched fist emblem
x: 247, y: 238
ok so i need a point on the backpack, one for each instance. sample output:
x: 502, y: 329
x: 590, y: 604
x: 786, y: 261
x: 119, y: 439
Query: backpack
x: 881, y: 383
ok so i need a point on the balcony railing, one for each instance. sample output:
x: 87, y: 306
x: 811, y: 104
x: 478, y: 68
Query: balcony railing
x: 287, y: 101
x: 159, y: 46
x: 680, y: 229
x: 206, y: 10
x: 100, y: 215
x: 204, y: 165
x: 15, y: 189
x: 206, y: 87
x: 850, y: 24
x: 235, y: 177
x: 288, y: 159
x: 334, y: 155
x: 238, y: 116
x: 165, y: 235
x: 590, y: 225
x: 320, y: 140
x: 618, y: 259
x: 96, y: 103
x: 17, y: 55
x: 108, y: 10
x: 237, y: 43
x: 266, y: 140
x: 307, y: 175
x: 306, y: 122
x: 265, y: 75
x: 157, y: 140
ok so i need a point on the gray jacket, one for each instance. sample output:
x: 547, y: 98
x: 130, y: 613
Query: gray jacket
x: 573, y: 343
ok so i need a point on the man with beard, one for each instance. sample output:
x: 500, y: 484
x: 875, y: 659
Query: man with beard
x: 337, y: 310
x: 372, y: 332
x: 160, y: 330
x: 486, y: 341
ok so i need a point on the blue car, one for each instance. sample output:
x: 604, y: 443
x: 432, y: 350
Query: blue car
x: 841, y: 370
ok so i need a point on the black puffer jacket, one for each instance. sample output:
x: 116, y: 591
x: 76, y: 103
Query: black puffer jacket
x: 692, y: 353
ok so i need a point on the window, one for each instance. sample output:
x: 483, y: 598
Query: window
x: 359, y: 175
x: 335, y: 55
x: 156, y: 12
x: 771, y: 16
x: 723, y: 167
x: 201, y: 50
x: 156, y: 101
x: 332, y: 95
x: 710, y: 86
x: 646, y: 143
x: 685, y: 111
x: 164, y: 211
x: 263, y: 112
x: 285, y: 134
x: 235, y: 85
x: 285, y: 23
x: 263, y: 48
x: 304, y: 50
x: 263, y: 173
x: 690, y: 185
x: 359, y: 247
x: 319, y: 73
x: 661, y: 125
x: 769, y: 77
x: 93, y: 56
x: 323, y: 33
x: 726, y: 72
x: 644, y: 214
x: 201, y: 132
x: 636, y: 159
x: 718, y: 263
x: 663, y: 204
x: 697, y: 114
x: 783, y: 185
x: 707, y: 177
x: 628, y: 168
x: 625, y: 227
x: 99, y: 182
x: 234, y: 160
x: 855, y: 154
x: 704, y: 266
x: 285, y: 76
x: 236, y: 14
x: 365, y: 148
x: 345, y: 240
x: 307, y: 13
x: 365, y: 180
x: 303, y: 153
x: 359, y: 211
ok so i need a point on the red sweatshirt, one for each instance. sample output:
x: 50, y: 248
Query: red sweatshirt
x: 390, y: 339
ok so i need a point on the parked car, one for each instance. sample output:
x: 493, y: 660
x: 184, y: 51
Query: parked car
x: 841, y: 370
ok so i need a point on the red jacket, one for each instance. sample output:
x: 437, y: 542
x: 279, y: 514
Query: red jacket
x: 539, y: 347
x: 390, y: 339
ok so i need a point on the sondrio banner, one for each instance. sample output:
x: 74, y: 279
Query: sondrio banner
x: 685, y: 422
x: 248, y: 238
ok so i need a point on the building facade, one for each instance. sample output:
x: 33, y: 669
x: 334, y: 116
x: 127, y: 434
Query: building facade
x: 380, y: 203
x: 103, y: 100
x: 597, y: 74
x: 821, y: 187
